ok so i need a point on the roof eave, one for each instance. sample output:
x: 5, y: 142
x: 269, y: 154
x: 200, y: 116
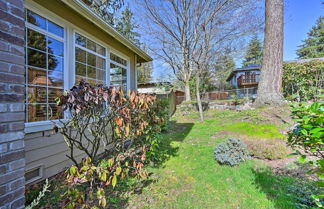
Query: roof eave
x: 86, y: 12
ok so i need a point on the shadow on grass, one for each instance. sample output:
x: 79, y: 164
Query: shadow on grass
x: 285, y: 191
x: 176, y: 132
x: 119, y: 196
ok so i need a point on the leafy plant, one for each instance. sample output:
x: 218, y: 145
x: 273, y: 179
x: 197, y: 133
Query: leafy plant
x: 302, y: 192
x: 105, y: 119
x: 88, y: 184
x: 231, y: 153
x: 308, y: 136
x: 304, y: 80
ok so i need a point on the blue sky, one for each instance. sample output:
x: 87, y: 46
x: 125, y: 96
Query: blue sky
x: 300, y: 16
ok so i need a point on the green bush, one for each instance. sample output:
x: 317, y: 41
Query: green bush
x: 302, y: 192
x: 231, y: 153
x: 269, y: 148
x: 308, y: 136
x: 303, y: 79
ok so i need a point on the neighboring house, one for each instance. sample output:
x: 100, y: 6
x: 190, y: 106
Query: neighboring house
x: 246, y: 77
x: 162, y: 90
x: 45, y: 48
x: 180, y: 96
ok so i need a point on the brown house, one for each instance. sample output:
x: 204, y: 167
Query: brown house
x: 247, y: 77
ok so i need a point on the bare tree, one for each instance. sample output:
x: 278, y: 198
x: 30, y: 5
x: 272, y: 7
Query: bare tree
x: 270, y: 85
x: 174, y: 26
x: 214, y: 33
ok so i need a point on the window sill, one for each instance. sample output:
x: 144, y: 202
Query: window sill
x: 40, y: 126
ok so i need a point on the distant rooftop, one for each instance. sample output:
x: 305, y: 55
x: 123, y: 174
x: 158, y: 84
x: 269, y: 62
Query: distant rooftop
x: 247, y: 68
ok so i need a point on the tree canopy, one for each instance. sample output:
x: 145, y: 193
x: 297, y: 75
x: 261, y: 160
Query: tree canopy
x: 254, y: 52
x: 126, y: 26
x: 313, y: 46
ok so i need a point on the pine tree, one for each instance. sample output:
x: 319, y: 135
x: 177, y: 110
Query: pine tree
x: 144, y: 72
x: 313, y: 46
x: 254, y: 52
x: 224, y: 66
x: 126, y: 26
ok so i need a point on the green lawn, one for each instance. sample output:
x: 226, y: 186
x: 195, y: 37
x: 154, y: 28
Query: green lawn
x: 191, y: 178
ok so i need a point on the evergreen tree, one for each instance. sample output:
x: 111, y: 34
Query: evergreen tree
x: 107, y: 9
x: 225, y: 64
x: 254, y: 52
x: 144, y: 72
x: 126, y: 26
x: 313, y: 46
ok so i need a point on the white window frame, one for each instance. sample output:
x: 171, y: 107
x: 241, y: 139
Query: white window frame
x: 121, y: 55
x: 88, y: 36
x: 69, y: 57
x: 48, y: 124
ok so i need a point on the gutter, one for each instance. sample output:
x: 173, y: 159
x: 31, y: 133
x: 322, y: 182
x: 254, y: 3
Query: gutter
x: 81, y: 8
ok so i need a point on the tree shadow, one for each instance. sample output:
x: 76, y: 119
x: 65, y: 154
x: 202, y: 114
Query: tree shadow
x: 284, y: 191
x: 176, y: 132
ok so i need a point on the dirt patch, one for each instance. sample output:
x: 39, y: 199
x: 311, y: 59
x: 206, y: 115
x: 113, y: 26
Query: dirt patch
x: 278, y: 115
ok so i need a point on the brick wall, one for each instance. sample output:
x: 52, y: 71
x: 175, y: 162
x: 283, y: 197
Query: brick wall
x: 12, y: 90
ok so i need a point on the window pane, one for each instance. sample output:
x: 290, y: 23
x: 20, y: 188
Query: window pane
x: 54, y: 112
x: 36, y: 112
x: 55, y: 47
x: 89, y: 66
x: 36, y: 76
x: 118, y: 59
x: 36, y: 19
x: 36, y: 58
x: 55, y: 29
x: 91, y: 45
x: 80, y: 69
x: 101, y: 75
x: 36, y: 94
x: 100, y: 63
x: 45, y: 53
x: 53, y: 94
x: 101, y: 50
x: 91, y: 72
x: 80, y: 55
x: 55, y: 63
x: 55, y: 78
x: 80, y: 40
x: 114, y: 69
x: 36, y: 40
x: 91, y: 59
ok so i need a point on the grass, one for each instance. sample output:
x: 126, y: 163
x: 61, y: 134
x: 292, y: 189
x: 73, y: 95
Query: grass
x: 189, y: 177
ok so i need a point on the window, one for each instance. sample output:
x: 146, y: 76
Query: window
x: 118, y: 71
x: 44, y: 67
x: 90, y: 61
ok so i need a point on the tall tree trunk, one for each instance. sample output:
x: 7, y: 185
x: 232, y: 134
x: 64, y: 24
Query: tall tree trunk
x: 270, y: 85
x: 187, y: 91
x: 200, y: 108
